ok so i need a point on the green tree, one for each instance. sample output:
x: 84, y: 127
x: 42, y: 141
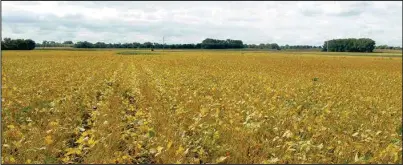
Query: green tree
x: 17, y: 44
x: 68, y: 42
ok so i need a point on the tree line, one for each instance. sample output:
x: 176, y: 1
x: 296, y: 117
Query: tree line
x: 335, y: 45
x: 389, y: 47
x: 55, y: 44
x: 277, y: 47
x: 17, y: 44
x: 86, y: 44
x: 300, y: 47
x: 210, y: 43
x: 205, y: 44
x: 263, y: 46
x: 349, y: 45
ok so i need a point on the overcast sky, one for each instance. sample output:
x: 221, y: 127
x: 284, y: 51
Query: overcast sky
x: 190, y: 22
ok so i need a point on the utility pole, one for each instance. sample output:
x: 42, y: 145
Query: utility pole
x: 327, y: 46
x: 163, y: 44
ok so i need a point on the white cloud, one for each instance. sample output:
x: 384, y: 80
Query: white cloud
x: 190, y: 22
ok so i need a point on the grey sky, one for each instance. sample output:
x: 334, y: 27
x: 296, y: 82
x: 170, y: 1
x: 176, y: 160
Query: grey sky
x: 190, y: 22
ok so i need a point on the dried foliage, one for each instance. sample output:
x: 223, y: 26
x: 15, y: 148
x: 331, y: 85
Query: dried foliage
x: 200, y: 107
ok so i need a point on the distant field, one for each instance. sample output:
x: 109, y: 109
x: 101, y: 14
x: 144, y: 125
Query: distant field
x: 376, y: 51
x: 53, y: 48
x: 387, y: 51
x: 192, y: 106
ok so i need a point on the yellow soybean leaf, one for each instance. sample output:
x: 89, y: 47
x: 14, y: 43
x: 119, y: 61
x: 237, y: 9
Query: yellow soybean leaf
x: 48, y: 140
x: 180, y: 150
x: 91, y: 142
x: 12, y: 160
x: 159, y: 149
x: 169, y: 144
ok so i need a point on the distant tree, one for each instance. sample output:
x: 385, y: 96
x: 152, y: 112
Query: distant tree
x: 100, y: 45
x: 209, y: 43
x: 198, y: 46
x: 17, y: 44
x: 274, y: 46
x: 136, y: 45
x: 68, y: 42
x: 388, y: 47
x: 83, y: 44
x: 44, y: 43
x: 349, y: 45
x: 261, y: 46
x: 148, y: 45
x: 30, y: 44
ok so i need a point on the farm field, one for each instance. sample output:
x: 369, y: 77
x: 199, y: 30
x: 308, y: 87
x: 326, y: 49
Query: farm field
x: 126, y: 106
